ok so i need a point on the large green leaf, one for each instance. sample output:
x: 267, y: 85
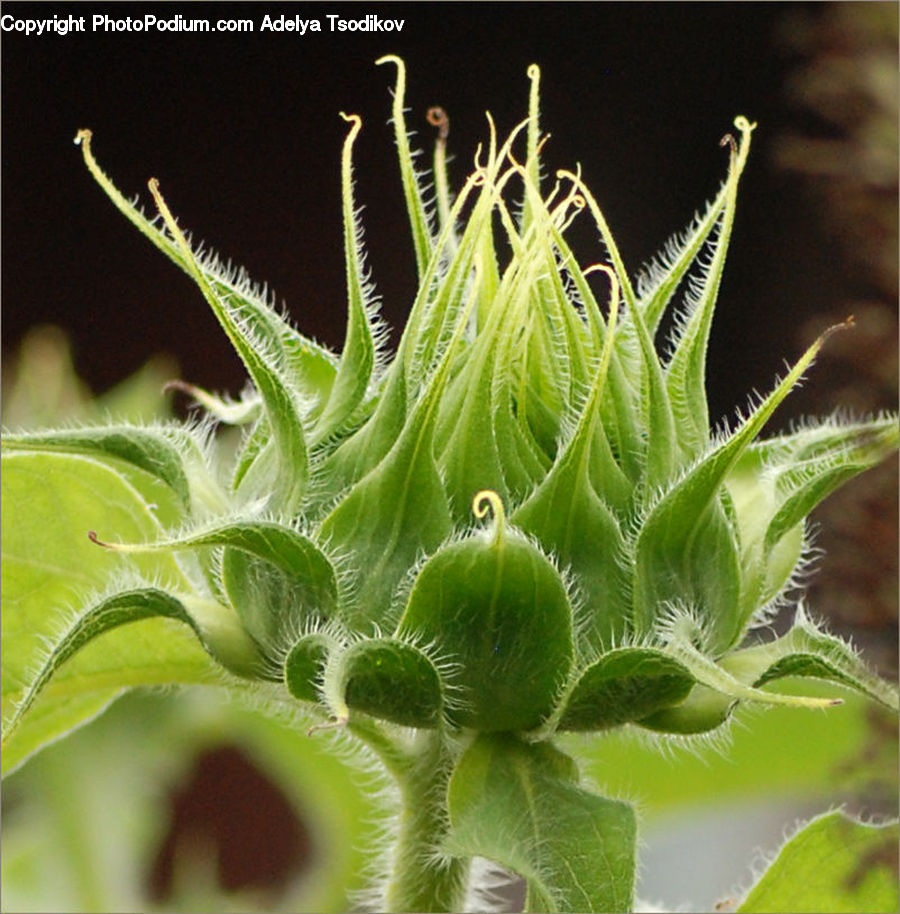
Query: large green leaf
x: 521, y: 805
x: 833, y: 864
x: 155, y: 450
x: 49, y: 565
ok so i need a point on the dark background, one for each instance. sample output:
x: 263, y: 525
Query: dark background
x: 244, y: 134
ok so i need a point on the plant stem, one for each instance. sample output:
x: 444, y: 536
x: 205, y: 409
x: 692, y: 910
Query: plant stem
x: 423, y: 878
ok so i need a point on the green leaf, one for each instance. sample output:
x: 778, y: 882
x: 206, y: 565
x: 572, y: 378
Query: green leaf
x: 687, y: 552
x: 620, y: 407
x: 661, y: 449
x: 358, y: 353
x: 524, y: 464
x: 570, y: 520
x: 532, y: 163
x: 686, y: 370
x: 255, y: 457
x: 495, y: 607
x: 470, y: 455
x: 277, y: 579
x: 624, y: 685
x: 399, y: 510
x: 785, y: 753
x: 477, y: 403
x: 418, y: 218
x: 559, y: 334
x: 733, y: 676
x: 442, y: 293
x: 362, y: 451
x: 812, y: 472
x: 689, y: 565
x: 305, y: 665
x: 575, y: 525
x: 834, y: 864
x: 703, y: 710
x: 662, y: 276
x: 292, y: 585
x: 429, y: 318
x: 282, y: 402
x: 521, y: 805
x: 387, y: 520
x: 776, y: 483
x: 227, y: 644
x: 386, y: 678
x: 310, y: 367
x: 806, y: 651
x: 50, y: 501
x: 275, y: 602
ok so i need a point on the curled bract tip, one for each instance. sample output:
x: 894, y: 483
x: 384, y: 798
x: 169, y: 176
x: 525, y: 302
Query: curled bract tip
x: 744, y: 125
x: 179, y: 385
x: 354, y: 119
x: 166, y: 213
x: 83, y: 136
x: 601, y: 268
x: 533, y: 71
x: 847, y: 324
x: 610, y: 274
x: 437, y: 117
x: 488, y: 499
x: 729, y: 140
x: 391, y: 58
x: 116, y: 547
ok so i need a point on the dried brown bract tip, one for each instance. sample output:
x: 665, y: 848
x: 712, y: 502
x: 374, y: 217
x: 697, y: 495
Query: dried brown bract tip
x: 437, y: 117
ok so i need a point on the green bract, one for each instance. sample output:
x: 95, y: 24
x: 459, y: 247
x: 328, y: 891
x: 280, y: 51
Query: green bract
x: 342, y: 561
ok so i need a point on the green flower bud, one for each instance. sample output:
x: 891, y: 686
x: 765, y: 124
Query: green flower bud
x: 640, y: 546
x: 496, y: 608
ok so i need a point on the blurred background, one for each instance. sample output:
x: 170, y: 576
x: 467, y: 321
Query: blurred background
x: 244, y: 135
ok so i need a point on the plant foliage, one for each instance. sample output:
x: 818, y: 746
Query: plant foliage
x: 520, y: 523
